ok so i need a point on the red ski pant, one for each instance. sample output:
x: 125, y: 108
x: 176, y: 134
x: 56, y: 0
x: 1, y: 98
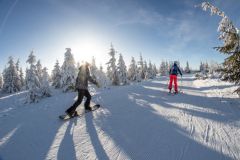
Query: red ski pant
x: 173, y: 78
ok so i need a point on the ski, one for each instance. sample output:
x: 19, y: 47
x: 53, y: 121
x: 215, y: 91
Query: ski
x: 173, y: 93
x: 66, y: 117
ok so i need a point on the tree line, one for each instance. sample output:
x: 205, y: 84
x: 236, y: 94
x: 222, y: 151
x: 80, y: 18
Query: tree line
x: 37, y: 80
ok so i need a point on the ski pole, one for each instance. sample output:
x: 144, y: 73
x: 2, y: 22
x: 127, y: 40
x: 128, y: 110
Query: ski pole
x: 181, y: 84
x: 168, y: 79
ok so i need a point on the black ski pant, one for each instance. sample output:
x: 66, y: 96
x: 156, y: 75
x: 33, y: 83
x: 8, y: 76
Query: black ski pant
x: 81, y: 94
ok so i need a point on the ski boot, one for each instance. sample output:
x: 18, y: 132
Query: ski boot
x: 88, y: 108
x: 71, y: 114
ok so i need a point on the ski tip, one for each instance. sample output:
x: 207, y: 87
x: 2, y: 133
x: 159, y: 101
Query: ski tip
x: 96, y: 105
x: 62, y: 117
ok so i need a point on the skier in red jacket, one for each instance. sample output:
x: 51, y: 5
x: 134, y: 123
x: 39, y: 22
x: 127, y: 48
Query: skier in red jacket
x: 173, y: 72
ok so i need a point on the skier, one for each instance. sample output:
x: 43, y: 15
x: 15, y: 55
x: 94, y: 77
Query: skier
x: 173, y: 72
x: 82, y: 88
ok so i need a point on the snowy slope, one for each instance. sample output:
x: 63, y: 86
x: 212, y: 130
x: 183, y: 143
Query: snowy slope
x: 139, y: 121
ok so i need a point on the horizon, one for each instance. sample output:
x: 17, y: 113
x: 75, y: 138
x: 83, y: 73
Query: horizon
x: 167, y: 31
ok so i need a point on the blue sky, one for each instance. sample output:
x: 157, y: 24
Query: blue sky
x: 160, y: 30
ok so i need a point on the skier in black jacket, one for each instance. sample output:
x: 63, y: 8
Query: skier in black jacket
x: 82, y: 88
x: 173, y: 72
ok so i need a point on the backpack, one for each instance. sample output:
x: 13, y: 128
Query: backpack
x: 174, y: 70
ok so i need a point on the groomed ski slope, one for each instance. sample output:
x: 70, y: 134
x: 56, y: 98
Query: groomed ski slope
x: 139, y: 122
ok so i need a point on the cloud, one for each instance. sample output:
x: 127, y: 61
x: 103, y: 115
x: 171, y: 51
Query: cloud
x: 143, y: 16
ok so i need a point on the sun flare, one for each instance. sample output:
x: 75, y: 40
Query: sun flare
x: 85, y: 49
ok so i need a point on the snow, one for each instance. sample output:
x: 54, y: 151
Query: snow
x: 138, y: 121
x: 217, y: 88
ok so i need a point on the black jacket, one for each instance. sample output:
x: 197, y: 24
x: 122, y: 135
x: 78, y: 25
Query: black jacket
x: 83, y: 78
x: 174, y: 70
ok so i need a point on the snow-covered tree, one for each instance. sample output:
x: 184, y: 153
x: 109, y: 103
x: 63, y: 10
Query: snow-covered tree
x: 95, y: 72
x: 99, y: 75
x: 56, y: 75
x: 169, y: 64
x: 32, y: 81
x: 214, y: 67
x: 155, y: 71
x: 39, y: 71
x: 132, y: 70
x: 20, y: 73
x: 1, y: 80
x: 11, y: 78
x: 68, y: 71
x: 230, y: 36
x: 145, y: 69
x: 102, y: 78
x: 206, y: 67
x: 45, y: 89
x: 163, y: 69
x: 93, y: 68
x: 150, y: 73
x: 187, y: 69
x: 122, y: 70
x: 22, y: 80
x: 201, y: 68
x: 17, y: 65
x: 111, y: 68
x: 141, y: 67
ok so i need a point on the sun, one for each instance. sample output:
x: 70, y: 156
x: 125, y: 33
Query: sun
x: 86, y: 48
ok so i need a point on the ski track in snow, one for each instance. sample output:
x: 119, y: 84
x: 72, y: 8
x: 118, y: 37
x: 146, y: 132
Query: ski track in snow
x: 139, y: 121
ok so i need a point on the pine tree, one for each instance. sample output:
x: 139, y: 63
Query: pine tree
x: 187, y: 69
x: 122, y: 70
x: 93, y: 69
x: 230, y: 36
x: 112, y: 69
x: 201, y: 68
x: 145, y: 69
x: 11, y: 78
x: 1, y: 81
x: 99, y: 75
x: 39, y: 71
x: 22, y: 80
x: 56, y: 76
x: 206, y: 67
x: 214, y: 67
x: 20, y: 73
x: 103, y: 80
x: 17, y: 65
x: 139, y: 73
x: 132, y: 71
x: 45, y: 89
x: 167, y: 64
x: 155, y: 71
x: 68, y: 71
x: 141, y: 67
x: 32, y: 81
x: 163, y: 69
x: 150, y: 73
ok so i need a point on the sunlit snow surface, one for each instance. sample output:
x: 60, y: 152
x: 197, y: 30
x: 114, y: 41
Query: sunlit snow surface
x: 139, y: 121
